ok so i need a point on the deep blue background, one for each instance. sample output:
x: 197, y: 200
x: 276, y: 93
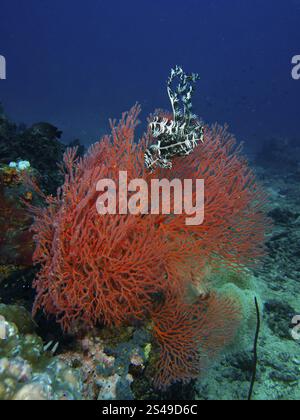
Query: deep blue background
x: 77, y: 63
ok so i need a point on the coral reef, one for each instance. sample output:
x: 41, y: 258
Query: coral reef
x: 16, y: 244
x: 112, y: 363
x: 120, y: 269
x: 16, y: 240
x: 27, y: 372
x: 39, y: 144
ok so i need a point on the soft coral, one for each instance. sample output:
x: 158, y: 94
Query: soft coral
x: 119, y: 268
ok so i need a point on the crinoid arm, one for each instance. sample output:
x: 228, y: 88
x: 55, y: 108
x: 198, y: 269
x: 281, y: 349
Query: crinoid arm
x: 180, y: 134
x: 183, y: 92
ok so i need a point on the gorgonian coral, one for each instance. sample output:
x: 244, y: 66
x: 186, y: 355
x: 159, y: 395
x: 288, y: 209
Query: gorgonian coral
x: 116, y: 269
x: 190, y: 335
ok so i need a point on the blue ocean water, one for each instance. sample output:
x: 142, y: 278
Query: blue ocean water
x: 76, y: 64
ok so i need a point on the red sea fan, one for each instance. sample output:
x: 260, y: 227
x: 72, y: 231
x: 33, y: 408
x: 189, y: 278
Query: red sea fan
x: 98, y: 268
x: 191, y: 335
x: 116, y: 269
x: 234, y: 226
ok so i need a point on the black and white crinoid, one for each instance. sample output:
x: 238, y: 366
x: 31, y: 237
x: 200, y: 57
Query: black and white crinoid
x: 180, y: 135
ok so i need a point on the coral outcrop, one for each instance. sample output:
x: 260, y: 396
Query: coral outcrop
x: 16, y: 244
x: 27, y: 372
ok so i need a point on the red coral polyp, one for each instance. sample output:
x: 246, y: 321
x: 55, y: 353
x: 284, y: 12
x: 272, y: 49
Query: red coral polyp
x: 116, y: 269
